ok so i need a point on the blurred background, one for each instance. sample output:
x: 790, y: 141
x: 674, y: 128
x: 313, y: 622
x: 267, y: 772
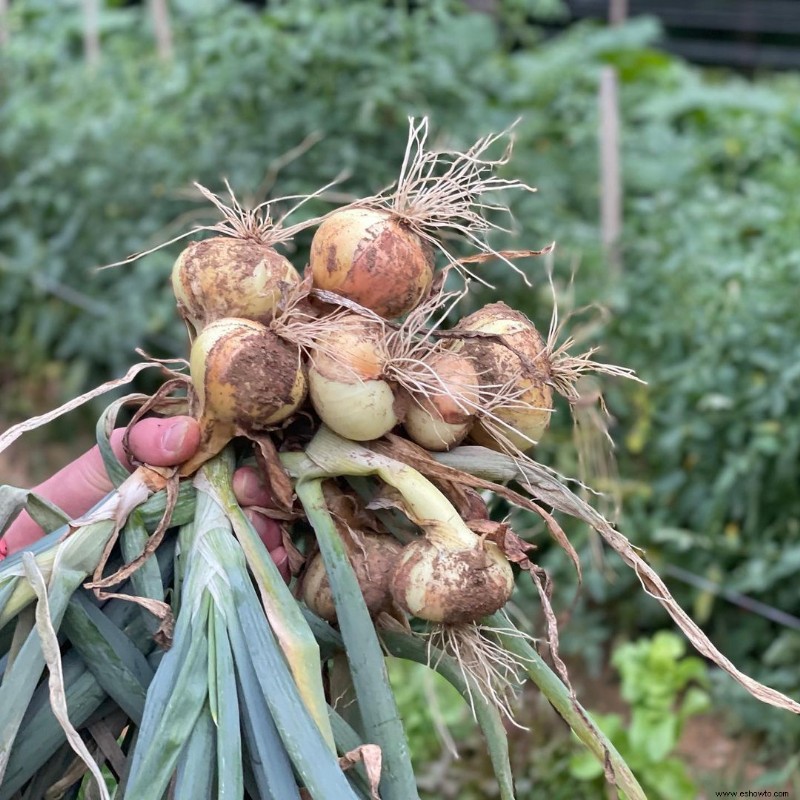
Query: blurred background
x: 663, y: 137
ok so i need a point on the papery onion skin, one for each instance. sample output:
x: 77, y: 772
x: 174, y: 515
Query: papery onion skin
x: 452, y: 586
x: 518, y: 349
x: 373, y: 565
x: 244, y: 374
x: 227, y: 277
x: 372, y: 257
x: 441, y: 420
x: 345, y: 383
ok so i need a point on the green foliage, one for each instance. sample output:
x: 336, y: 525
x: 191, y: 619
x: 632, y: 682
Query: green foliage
x: 656, y: 677
x: 437, y: 719
x: 430, y: 707
x: 661, y: 685
x: 96, y: 165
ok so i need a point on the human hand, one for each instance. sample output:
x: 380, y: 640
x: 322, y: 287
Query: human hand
x: 159, y: 442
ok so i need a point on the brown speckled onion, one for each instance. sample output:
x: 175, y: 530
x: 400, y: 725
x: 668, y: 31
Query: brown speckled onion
x: 369, y: 256
x: 518, y: 350
x: 441, y: 584
x: 245, y: 379
x: 374, y: 566
x: 226, y: 277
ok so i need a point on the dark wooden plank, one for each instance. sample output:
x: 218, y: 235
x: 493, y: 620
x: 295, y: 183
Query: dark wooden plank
x: 743, y: 16
x: 735, y: 54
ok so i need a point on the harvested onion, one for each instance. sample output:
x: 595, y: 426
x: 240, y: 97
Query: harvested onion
x: 346, y: 382
x: 226, y: 277
x: 516, y: 364
x: 374, y: 557
x: 439, y: 420
x: 246, y: 379
x: 450, y: 581
x: 370, y: 256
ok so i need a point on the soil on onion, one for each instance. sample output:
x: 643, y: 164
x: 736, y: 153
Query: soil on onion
x: 261, y: 376
x: 468, y: 587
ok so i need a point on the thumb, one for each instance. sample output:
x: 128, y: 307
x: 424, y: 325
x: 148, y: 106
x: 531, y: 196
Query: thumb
x: 84, y: 482
x: 160, y: 442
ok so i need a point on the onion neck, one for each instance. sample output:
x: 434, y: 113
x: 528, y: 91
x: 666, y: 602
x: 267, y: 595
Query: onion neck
x: 425, y: 504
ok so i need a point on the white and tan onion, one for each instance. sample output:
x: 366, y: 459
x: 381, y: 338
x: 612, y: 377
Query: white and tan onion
x: 346, y: 384
x: 370, y: 256
x: 517, y: 353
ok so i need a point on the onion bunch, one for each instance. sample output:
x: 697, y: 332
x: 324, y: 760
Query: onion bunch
x: 271, y: 350
x: 350, y: 391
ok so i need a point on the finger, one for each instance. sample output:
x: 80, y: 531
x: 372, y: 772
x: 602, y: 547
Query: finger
x: 281, y: 559
x: 74, y: 489
x: 251, y: 489
x: 160, y: 442
x: 268, y: 530
x: 84, y: 482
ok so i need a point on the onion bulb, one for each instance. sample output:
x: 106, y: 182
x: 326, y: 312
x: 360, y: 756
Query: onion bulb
x: 227, y: 277
x: 439, y: 420
x: 450, y: 575
x: 515, y: 370
x: 345, y: 379
x: 245, y: 378
x: 373, y: 557
x: 371, y: 256
x: 443, y: 582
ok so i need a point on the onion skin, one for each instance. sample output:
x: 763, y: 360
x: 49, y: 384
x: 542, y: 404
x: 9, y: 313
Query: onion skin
x: 439, y: 421
x: 345, y: 383
x: 245, y: 379
x: 498, y: 360
x: 451, y: 586
x: 226, y: 277
x: 373, y: 565
x: 370, y: 256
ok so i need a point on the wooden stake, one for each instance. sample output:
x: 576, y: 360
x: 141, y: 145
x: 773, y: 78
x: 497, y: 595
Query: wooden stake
x: 4, y: 35
x: 610, y: 173
x: 617, y: 11
x: 91, y: 32
x: 162, y: 27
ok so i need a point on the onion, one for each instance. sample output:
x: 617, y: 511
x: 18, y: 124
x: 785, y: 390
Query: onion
x: 246, y: 379
x: 346, y: 383
x: 373, y: 557
x: 439, y: 420
x: 515, y: 368
x: 444, y: 581
x: 371, y: 256
x: 452, y: 575
x: 227, y: 277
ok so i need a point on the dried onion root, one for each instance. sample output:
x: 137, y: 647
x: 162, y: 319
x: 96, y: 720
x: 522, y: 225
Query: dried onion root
x: 379, y: 251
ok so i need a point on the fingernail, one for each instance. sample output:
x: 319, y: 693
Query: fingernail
x: 174, y: 435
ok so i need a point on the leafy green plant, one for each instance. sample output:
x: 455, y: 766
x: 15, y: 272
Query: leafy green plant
x: 659, y: 683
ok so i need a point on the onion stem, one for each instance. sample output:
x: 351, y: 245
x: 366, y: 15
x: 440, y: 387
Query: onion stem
x: 382, y: 724
x: 566, y: 705
x: 427, y: 506
x: 288, y: 624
